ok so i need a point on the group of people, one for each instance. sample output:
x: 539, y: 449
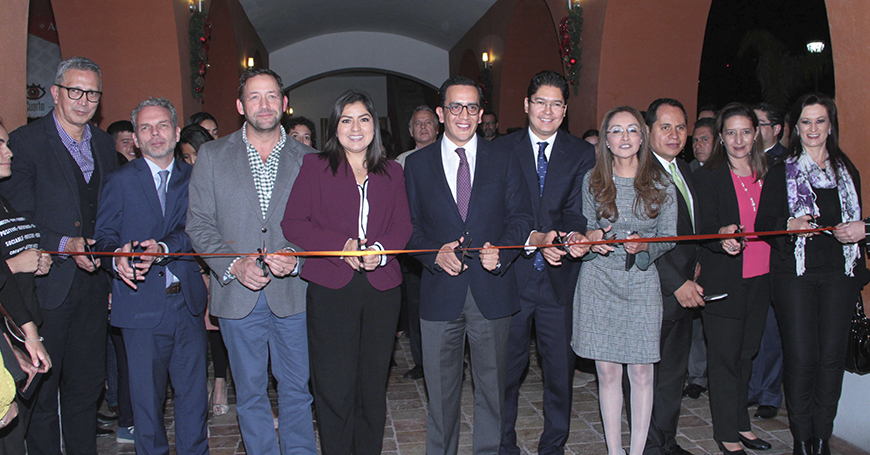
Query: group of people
x: 257, y: 197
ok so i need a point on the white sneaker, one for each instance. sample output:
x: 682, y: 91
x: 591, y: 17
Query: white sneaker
x: 581, y: 378
x: 125, y: 435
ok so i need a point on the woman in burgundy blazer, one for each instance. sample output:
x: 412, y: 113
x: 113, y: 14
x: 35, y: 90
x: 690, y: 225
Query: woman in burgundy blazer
x: 350, y: 197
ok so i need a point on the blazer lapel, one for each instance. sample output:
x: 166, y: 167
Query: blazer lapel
x: 529, y: 167
x: 174, y: 193
x: 63, y: 157
x: 241, y: 171
x: 437, y: 170
x: 288, y: 168
x: 555, y: 168
x: 149, y: 189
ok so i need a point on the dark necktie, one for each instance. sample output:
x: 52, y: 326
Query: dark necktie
x: 463, y: 184
x: 542, y: 175
x: 161, y: 189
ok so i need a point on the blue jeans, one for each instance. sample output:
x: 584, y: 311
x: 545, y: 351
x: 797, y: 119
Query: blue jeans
x: 250, y: 341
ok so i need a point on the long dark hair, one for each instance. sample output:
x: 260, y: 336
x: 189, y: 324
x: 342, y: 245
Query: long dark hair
x: 650, y: 182
x: 193, y: 135
x: 333, y: 150
x: 832, y: 144
x: 719, y: 156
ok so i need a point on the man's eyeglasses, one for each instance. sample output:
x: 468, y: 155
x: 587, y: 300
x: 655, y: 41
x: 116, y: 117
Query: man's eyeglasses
x: 553, y: 105
x: 76, y: 94
x: 456, y: 108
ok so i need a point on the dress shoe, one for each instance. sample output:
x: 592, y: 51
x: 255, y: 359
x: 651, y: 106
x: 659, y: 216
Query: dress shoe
x: 754, y: 444
x: 413, y: 374
x: 729, y: 452
x: 821, y: 446
x: 766, y: 412
x: 677, y: 450
x: 107, y: 418
x: 693, y: 391
x: 104, y: 431
x: 803, y: 447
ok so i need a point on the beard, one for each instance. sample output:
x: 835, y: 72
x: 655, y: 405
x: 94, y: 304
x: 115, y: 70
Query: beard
x: 264, y: 126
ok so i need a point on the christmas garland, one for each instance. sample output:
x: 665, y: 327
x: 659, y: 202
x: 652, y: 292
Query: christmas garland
x: 570, y: 45
x: 486, y: 87
x: 200, y: 35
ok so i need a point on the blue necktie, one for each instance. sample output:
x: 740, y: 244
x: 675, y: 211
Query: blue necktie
x: 542, y: 175
x: 161, y: 189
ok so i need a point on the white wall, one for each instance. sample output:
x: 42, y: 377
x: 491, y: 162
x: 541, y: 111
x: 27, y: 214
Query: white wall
x: 853, y: 415
x: 337, y: 51
x: 315, y: 99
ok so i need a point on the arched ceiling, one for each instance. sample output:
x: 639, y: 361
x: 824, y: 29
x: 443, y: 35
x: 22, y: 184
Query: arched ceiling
x: 440, y: 23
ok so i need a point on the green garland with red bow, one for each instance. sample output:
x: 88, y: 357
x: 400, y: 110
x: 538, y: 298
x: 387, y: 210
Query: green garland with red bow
x: 200, y: 35
x: 570, y: 45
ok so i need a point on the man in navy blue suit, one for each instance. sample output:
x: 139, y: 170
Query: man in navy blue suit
x: 553, y: 163
x: 465, y: 191
x: 157, y: 301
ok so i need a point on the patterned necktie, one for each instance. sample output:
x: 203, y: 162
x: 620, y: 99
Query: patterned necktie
x: 542, y: 175
x: 463, y: 184
x: 681, y: 186
x: 161, y: 189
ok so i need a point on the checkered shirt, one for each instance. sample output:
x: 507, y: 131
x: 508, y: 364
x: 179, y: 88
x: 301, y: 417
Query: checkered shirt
x: 80, y: 151
x: 264, y: 173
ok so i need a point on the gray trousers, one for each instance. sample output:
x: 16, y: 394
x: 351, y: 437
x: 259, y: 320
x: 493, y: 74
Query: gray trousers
x: 443, y: 352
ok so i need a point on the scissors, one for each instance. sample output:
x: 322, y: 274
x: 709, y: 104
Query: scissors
x: 261, y: 259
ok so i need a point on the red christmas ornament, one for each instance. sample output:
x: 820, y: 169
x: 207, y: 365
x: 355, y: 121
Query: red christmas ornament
x: 572, y: 61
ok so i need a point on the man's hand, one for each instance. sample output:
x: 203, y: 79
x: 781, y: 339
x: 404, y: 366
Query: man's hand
x: 690, y: 295
x: 552, y: 254
x: 152, y: 247
x: 281, y: 265
x: 250, y: 274
x: 355, y: 262
x: 489, y: 257
x: 26, y: 261
x: 83, y: 261
x: 577, y: 246
x: 447, y: 260
x: 124, y: 270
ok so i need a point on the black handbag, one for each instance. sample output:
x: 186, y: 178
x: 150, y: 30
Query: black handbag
x: 858, y: 352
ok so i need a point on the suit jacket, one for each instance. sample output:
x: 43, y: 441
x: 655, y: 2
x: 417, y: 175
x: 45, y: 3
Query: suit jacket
x: 224, y: 216
x: 718, y: 206
x: 777, y: 151
x: 560, y: 207
x: 678, y: 265
x: 499, y: 212
x: 130, y: 210
x: 44, y: 189
x: 323, y: 213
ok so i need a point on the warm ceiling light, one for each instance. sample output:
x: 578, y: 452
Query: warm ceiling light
x: 816, y: 47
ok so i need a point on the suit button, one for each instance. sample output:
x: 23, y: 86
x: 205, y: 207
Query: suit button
x: 160, y: 274
x: 264, y: 230
x: 78, y: 224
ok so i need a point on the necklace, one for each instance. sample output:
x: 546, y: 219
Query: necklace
x: 751, y: 199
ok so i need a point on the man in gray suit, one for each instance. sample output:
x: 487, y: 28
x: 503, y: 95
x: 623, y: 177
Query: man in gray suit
x: 238, y: 192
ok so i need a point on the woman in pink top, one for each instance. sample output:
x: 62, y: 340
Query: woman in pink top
x: 729, y: 188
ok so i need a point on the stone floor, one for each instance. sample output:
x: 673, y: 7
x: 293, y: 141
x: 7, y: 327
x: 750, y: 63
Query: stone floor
x: 405, y: 432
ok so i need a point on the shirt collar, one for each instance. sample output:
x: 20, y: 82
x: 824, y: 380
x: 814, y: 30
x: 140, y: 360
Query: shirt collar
x: 69, y: 141
x: 665, y: 163
x: 535, y: 139
x: 470, y: 146
x: 278, y: 146
x: 154, y: 168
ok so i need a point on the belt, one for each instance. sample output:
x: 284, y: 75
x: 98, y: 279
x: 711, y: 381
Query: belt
x: 174, y: 288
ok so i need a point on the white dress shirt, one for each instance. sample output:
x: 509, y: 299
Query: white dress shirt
x: 451, y: 160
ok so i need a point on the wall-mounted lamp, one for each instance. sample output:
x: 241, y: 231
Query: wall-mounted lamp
x: 195, y: 5
x: 573, y: 3
x: 485, y: 58
x: 815, y: 47
x: 250, y: 65
x: 289, y: 110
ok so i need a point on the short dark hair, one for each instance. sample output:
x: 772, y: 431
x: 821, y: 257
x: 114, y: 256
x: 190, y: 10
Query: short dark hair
x: 773, y: 114
x: 490, y: 113
x: 458, y: 80
x: 199, y: 117
x: 333, y: 151
x: 708, y: 107
x: 590, y: 133
x: 550, y: 78
x: 652, y: 112
x: 290, y: 122
x: 258, y: 72
x: 120, y: 126
x: 708, y: 122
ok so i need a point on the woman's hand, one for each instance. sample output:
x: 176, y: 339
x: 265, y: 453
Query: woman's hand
x: 800, y: 223
x: 26, y: 261
x: 596, y: 235
x: 355, y: 262
x: 731, y: 246
x: 11, y: 414
x: 44, y: 264
x: 370, y: 262
x: 38, y: 355
x: 635, y: 247
x: 851, y: 232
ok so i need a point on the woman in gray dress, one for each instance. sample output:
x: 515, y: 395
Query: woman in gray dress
x: 617, y: 303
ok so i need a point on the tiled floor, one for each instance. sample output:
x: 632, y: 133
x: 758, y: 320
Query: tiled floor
x: 406, y: 422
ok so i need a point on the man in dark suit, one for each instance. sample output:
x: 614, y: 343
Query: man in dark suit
x: 770, y: 124
x: 666, y: 119
x: 157, y: 301
x: 238, y: 193
x: 59, y: 164
x: 553, y: 163
x: 464, y: 191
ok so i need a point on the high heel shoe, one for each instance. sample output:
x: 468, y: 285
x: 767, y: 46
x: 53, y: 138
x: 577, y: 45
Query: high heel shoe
x: 821, y: 447
x: 803, y: 447
x: 729, y: 452
x: 754, y: 444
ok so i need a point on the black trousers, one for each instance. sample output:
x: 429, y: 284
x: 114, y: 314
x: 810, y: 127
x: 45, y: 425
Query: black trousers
x: 75, y: 338
x: 125, y: 407
x: 411, y: 276
x: 218, y: 354
x: 731, y: 345
x: 814, y: 313
x: 351, y: 332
